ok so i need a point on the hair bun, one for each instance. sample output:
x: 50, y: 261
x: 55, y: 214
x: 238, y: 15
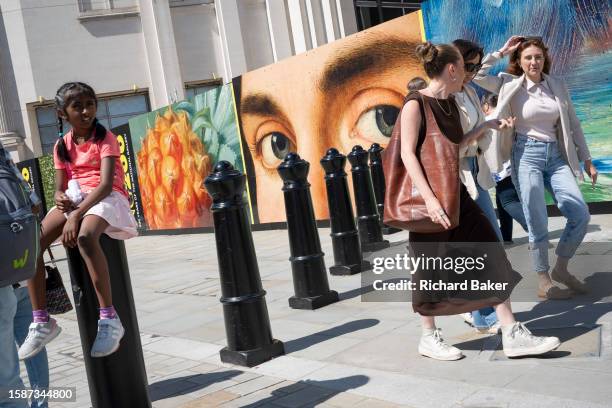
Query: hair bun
x: 426, y: 52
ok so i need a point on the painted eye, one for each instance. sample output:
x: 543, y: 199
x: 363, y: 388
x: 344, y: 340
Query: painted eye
x: 274, y: 147
x: 376, y: 124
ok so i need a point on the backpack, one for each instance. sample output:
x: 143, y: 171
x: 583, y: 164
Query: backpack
x: 19, y: 227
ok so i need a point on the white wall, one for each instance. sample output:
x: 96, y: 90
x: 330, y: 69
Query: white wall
x: 106, y: 53
x: 197, y: 42
x: 255, y: 33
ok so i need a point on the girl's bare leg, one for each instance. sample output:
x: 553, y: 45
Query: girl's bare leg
x: 91, y: 251
x: 51, y: 229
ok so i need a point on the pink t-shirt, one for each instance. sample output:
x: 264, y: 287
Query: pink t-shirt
x: 86, y: 159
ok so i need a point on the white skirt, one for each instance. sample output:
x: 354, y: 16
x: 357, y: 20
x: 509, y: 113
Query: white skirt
x: 115, y: 209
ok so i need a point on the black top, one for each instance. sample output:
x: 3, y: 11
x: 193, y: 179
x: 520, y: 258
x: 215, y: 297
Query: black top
x: 450, y: 125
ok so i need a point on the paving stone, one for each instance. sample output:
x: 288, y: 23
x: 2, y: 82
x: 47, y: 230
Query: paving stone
x: 211, y: 400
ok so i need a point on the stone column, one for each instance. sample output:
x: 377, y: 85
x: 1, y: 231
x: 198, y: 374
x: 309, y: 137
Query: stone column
x: 278, y: 24
x: 12, y: 141
x: 232, y: 45
x: 166, y: 81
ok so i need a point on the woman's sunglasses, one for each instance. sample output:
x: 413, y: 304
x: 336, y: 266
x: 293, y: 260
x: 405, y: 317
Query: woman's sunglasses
x: 470, y: 67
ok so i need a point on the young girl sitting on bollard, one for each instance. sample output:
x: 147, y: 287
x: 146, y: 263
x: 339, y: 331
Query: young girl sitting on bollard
x: 87, y: 154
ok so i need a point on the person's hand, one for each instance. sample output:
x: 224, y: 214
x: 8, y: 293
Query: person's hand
x: 437, y: 213
x: 511, y: 45
x: 63, y: 203
x: 71, y: 230
x: 498, y: 124
x: 591, y: 170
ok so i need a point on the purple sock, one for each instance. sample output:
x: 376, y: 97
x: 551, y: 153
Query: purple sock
x: 40, y: 316
x: 107, y: 313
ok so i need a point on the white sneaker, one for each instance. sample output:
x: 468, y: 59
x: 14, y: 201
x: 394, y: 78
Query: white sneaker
x: 518, y: 341
x: 495, y: 329
x: 110, y: 333
x: 433, y: 346
x: 39, y: 334
x: 467, y: 317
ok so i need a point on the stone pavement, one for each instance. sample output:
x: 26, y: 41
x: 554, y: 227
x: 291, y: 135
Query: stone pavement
x: 351, y: 353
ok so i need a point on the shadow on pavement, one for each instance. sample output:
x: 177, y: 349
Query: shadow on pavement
x: 309, y: 394
x: 581, y: 310
x: 324, y: 335
x: 182, y: 385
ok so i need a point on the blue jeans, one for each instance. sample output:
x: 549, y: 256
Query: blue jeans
x: 509, y: 207
x: 9, y: 364
x: 537, y: 166
x: 484, y: 317
x: 37, y: 366
x: 484, y: 199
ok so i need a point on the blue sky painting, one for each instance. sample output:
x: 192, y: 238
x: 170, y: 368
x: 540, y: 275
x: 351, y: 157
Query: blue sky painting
x: 577, y: 33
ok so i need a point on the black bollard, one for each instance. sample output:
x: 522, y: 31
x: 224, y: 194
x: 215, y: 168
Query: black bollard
x: 120, y: 379
x: 368, y: 220
x: 247, y: 325
x: 378, y: 183
x: 307, y: 264
x: 345, y: 239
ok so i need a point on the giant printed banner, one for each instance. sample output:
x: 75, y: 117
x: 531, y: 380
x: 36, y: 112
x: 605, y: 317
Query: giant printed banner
x: 579, y: 40
x: 342, y: 94
x: 176, y: 147
x: 128, y: 162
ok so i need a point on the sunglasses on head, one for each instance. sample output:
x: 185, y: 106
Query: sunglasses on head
x: 532, y: 38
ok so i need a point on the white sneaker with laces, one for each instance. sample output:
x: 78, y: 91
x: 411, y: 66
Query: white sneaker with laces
x: 110, y: 333
x: 432, y: 345
x: 518, y: 341
x: 39, y: 334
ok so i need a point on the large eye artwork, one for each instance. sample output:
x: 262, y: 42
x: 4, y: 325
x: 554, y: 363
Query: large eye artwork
x: 274, y: 147
x: 376, y: 124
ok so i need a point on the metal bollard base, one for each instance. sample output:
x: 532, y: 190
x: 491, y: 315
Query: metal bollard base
x: 350, y: 269
x: 315, y: 302
x: 251, y: 358
x: 375, y: 246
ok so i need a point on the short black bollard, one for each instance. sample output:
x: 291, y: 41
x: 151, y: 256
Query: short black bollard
x: 247, y: 325
x: 345, y: 239
x: 368, y: 220
x: 307, y: 264
x: 378, y: 183
x: 120, y: 379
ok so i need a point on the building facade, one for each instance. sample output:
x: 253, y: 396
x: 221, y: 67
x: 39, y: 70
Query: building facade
x: 142, y: 54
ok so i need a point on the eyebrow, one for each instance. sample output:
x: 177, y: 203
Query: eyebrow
x: 260, y: 104
x: 378, y: 53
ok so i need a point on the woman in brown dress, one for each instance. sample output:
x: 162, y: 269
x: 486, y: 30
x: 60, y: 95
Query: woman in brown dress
x: 436, y: 107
